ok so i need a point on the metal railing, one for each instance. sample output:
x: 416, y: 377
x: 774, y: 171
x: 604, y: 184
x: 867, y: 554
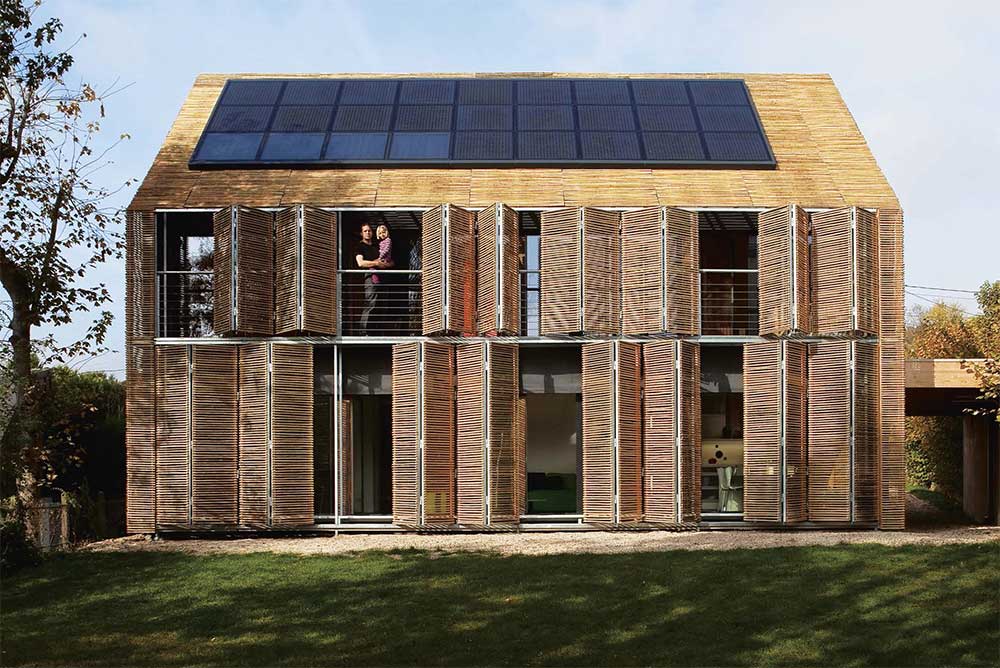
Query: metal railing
x: 184, y: 303
x: 530, y: 302
x: 390, y: 307
x: 729, y: 302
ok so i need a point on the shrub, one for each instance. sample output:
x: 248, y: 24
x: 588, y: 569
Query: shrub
x: 16, y: 547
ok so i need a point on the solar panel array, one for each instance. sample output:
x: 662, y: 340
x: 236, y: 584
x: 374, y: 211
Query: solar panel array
x: 484, y: 121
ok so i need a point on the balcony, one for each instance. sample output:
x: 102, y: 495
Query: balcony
x: 392, y: 307
x: 729, y: 302
x: 184, y: 303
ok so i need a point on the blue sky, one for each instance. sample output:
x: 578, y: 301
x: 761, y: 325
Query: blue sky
x: 921, y: 82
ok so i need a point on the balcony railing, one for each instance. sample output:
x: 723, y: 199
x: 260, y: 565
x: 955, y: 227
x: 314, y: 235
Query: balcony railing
x: 729, y: 302
x: 530, y: 305
x: 184, y: 303
x: 389, y: 308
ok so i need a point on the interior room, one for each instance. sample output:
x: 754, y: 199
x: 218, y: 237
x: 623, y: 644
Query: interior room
x: 727, y: 243
x: 722, y: 430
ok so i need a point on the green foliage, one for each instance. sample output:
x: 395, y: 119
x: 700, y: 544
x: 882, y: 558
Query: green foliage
x: 16, y: 548
x: 940, y: 331
x: 934, y: 453
x: 986, y: 328
x: 861, y: 605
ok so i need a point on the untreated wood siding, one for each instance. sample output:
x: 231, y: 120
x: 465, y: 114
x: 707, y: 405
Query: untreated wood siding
x: 214, y: 494
x: 140, y: 438
x: 845, y: 272
x: 243, y: 271
x: 783, y: 251
x: 291, y: 435
x: 306, y: 271
x: 140, y: 274
x: 448, y: 281
x: 497, y: 271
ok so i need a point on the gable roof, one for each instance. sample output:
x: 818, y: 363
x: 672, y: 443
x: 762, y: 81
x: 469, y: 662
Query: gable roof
x: 822, y: 161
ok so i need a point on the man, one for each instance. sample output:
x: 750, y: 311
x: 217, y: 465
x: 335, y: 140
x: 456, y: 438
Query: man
x: 367, y: 258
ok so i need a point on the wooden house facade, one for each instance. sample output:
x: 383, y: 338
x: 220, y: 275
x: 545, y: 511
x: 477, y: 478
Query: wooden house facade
x: 604, y: 343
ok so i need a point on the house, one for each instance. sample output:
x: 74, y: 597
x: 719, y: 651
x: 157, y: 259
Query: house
x: 610, y: 301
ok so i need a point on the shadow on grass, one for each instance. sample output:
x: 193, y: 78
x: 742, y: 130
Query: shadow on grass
x: 857, y: 605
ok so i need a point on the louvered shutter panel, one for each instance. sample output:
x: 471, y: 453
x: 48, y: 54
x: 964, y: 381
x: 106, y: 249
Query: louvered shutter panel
x: 213, y: 437
x: 406, y: 425
x: 643, y: 296
x: 140, y: 438
x: 520, y: 484
x: 629, y: 430
x: 845, y: 272
x: 471, y: 394
x: 498, y: 275
x: 243, y: 267
x: 598, y: 425
x: 601, y: 292
x: 774, y: 431
x: 254, y: 459
x: 659, y: 360
x: 306, y: 276
x: 448, y: 278
x: 438, y: 431
x: 561, y: 270
x: 681, y: 266
x: 140, y: 274
x: 291, y: 435
x: 507, y: 476
x: 783, y: 251
x: 346, y: 457
x: 689, y: 423
x: 173, y: 438
x: 892, y: 464
x: 866, y: 432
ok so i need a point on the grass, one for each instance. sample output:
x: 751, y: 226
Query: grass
x: 941, y: 502
x: 847, y: 605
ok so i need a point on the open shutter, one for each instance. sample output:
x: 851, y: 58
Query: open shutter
x: 291, y: 435
x: 306, y: 264
x: 140, y: 274
x: 628, y: 413
x: 783, y: 250
x: 243, y: 266
x: 213, y: 437
x: 448, y: 275
x: 346, y: 457
x: 473, y: 414
x: 498, y: 276
x: 601, y: 294
x: 845, y: 272
x: 672, y: 431
x: 561, y: 267
x: 255, y: 474
x: 406, y: 423
x: 140, y: 438
x: 866, y: 432
x: 774, y: 431
x: 660, y: 271
x: 507, y: 476
x: 173, y: 437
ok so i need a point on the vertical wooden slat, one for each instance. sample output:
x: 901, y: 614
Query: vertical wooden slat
x: 249, y: 271
x: 762, y: 423
x: 892, y: 460
x: 659, y: 437
x: 140, y: 438
x: 497, y: 274
x: 629, y: 417
x: 291, y: 435
x: 601, y: 295
x: 681, y: 266
x: 140, y: 274
x: 213, y: 437
x: 506, y: 446
x: 796, y: 406
x: 689, y: 423
x: 830, y: 432
x: 253, y: 435
x: 173, y: 438
x: 783, y: 251
x: 346, y: 457
x: 866, y: 432
x: 438, y: 430
x: 471, y: 380
x: 561, y: 272
x: 287, y: 276
x: 405, y: 432
x: 598, y: 425
x: 642, y: 271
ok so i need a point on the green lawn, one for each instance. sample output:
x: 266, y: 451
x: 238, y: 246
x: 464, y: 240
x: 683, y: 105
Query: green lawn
x: 855, y: 606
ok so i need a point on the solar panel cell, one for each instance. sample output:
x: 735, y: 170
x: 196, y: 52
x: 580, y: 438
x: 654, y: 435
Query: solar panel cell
x: 484, y: 146
x: 718, y: 92
x: 544, y: 92
x: 485, y: 91
x: 673, y: 146
x: 356, y: 146
x: 606, y: 118
x: 251, y: 92
x: 607, y: 91
x: 424, y: 118
x: 302, y: 119
x: 727, y: 119
x: 485, y: 117
x: 659, y: 118
x: 437, y: 91
x: 659, y: 91
x: 362, y: 119
x: 240, y: 119
x: 293, y: 146
x: 309, y: 91
x: 609, y: 146
x: 357, y: 91
x: 545, y: 117
x: 229, y: 146
x: 736, y: 146
x: 419, y: 145
x: 546, y: 146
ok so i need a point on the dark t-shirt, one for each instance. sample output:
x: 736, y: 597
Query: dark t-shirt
x: 369, y: 252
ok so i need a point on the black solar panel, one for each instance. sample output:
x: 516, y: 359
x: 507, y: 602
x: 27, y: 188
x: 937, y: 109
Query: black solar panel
x: 489, y: 120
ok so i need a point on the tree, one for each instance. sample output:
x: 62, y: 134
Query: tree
x: 986, y: 331
x: 57, y: 224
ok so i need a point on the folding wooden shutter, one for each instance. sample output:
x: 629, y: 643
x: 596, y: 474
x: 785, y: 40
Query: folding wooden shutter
x: 213, y: 437
x: 866, y: 432
x: 892, y: 459
x: 254, y: 436
x: 244, y: 277
x: 846, y: 272
x: 306, y: 271
x: 672, y: 431
x: 490, y: 450
x: 774, y: 432
x: 291, y: 435
x: 140, y: 438
x: 173, y: 438
x: 660, y: 271
x: 783, y: 250
x: 448, y: 278
x: 423, y: 433
x: 140, y: 274
x: 498, y: 274
x: 346, y: 457
x: 561, y: 267
x: 612, y: 432
x: 601, y: 294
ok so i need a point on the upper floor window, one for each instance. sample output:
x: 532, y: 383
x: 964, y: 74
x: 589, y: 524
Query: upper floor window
x: 185, y: 246
x: 530, y: 224
x: 727, y: 242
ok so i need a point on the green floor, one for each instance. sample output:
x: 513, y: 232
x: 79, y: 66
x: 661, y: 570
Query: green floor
x: 850, y: 605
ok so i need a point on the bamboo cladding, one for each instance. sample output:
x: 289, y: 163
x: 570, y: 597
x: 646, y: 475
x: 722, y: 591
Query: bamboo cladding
x: 140, y: 274
x: 783, y: 252
x: 291, y: 435
x: 866, y: 432
x: 845, y: 272
x: 689, y: 429
x: 406, y: 423
x: 254, y: 436
x: 346, y: 457
x: 598, y: 388
x: 243, y: 267
x: 892, y: 461
x: 681, y: 263
x: 306, y: 271
x: 506, y: 457
x: 448, y: 281
x: 601, y: 294
x: 561, y: 270
x: 173, y: 438
x: 213, y: 437
x: 140, y: 438
x: 498, y: 277
x: 774, y: 389
x: 472, y: 467
x: 628, y: 414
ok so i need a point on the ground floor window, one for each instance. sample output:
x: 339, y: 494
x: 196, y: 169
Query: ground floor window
x: 722, y: 429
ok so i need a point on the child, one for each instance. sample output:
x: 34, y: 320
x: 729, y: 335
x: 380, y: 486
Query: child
x: 384, y: 247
